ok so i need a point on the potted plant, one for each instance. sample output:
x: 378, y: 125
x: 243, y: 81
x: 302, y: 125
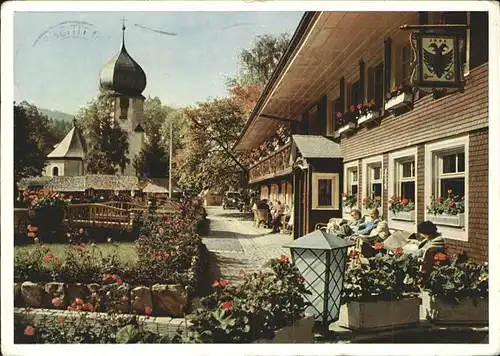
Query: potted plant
x: 346, y: 122
x: 368, y: 112
x: 46, y: 208
x: 350, y: 201
x: 447, y: 211
x: 401, y: 208
x: 371, y: 202
x: 457, y: 292
x: 399, y: 97
x: 382, y: 293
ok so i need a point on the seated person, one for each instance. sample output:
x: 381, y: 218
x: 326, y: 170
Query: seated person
x: 347, y: 228
x: 277, y: 212
x: 366, y: 228
x: 431, y: 238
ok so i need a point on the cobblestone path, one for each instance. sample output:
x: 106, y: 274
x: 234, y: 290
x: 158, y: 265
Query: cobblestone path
x: 235, y: 244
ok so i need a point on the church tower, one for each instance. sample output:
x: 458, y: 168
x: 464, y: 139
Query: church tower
x: 124, y: 79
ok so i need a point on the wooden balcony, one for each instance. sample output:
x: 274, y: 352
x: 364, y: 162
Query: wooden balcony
x: 275, y: 165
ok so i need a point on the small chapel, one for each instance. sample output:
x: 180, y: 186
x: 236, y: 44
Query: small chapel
x: 124, y: 79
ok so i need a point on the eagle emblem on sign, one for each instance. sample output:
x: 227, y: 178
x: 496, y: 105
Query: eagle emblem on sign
x: 437, y: 60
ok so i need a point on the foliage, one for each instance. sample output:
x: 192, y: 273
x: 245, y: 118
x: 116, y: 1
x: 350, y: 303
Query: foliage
x: 258, y: 62
x: 59, y: 128
x: 453, y: 204
x: 105, y: 141
x: 84, y: 329
x: 211, y: 129
x: 41, y: 198
x: 153, y: 160
x: 33, y: 140
x: 460, y: 279
x: 386, y: 277
x: 350, y: 200
x: 397, y: 204
x: 261, y: 304
x: 372, y: 202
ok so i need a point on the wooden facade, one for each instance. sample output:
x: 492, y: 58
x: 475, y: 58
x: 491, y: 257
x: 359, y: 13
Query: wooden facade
x: 339, y: 59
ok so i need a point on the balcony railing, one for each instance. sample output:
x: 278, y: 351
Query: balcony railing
x: 275, y: 165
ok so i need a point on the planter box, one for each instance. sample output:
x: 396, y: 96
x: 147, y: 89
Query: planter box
x: 345, y: 129
x: 365, y: 119
x: 439, y: 311
x: 402, y: 100
x: 300, y: 332
x: 450, y: 220
x: 403, y: 215
x: 380, y: 315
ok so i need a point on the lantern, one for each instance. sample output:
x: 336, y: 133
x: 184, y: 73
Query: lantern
x: 321, y: 258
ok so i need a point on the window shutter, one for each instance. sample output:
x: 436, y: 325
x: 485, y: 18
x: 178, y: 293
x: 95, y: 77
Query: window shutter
x: 361, y: 87
x: 371, y: 84
x: 342, y: 95
x: 387, y: 64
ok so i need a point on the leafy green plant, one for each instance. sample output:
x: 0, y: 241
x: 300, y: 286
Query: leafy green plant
x: 397, y: 204
x: 453, y: 204
x: 349, y: 200
x: 261, y: 304
x: 458, y: 280
x: 386, y: 277
x: 372, y: 202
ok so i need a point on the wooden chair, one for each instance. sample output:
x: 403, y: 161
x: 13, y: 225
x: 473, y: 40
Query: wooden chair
x: 261, y: 216
x: 285, y: 227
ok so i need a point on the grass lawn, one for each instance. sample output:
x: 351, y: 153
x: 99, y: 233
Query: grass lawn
x: 125, y: 250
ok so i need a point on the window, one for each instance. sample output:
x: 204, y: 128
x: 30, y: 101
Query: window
x: 378, y: 83
x: 405, y: 178
x: 451, y: 173
x: 405, y: 65
x: 55, y: 171
x: 353, y: 182
x: 123, y: 108
x: 337, y: 106
x: 325, y: 191
x: 446, y: 169
x: 375, y: 180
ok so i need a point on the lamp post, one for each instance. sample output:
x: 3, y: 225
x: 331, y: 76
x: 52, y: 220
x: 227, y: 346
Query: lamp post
x: 321, y: 259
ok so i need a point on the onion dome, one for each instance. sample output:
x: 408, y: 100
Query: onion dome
x: 123, y: 75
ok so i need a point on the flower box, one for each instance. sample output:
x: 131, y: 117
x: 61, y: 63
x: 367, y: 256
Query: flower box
x: 397, y: 102
x: 344, y: 130
x: 403, y: 215
x: 468, y: 311
x: 380, y: 315
x: 368, y: 117
x: 450, y: 220
x: 299, y: 332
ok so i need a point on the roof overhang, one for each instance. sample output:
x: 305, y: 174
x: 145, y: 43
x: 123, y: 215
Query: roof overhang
x: 324, y: 48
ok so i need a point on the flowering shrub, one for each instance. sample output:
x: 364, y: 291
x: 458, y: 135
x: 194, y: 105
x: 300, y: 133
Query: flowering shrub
x: 98, y: 329
x: 372, y: 202
x: 42, y: 198
x: 386, y: 277
x: 458, y: 279
x: 397, y: 204
x: 398, y: 90
x: 261, y: 304
x: 369, y: 107
x: 349, y: 200
x: 453, y: 204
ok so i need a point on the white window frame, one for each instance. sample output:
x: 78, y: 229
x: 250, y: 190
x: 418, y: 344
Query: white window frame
x: 395, y: 160
x: 348, y: 168
x: 432, y: 188
x: 335, y: 191
x: 367, y: 163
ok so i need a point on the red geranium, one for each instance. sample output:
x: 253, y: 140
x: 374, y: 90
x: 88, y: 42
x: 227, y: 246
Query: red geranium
x: 107, y: 277
x: 378, y: 246
x: 46, y: 259
x: 339, y: 115
x: 30, y: 331
x: 62, y: 319
x: 227, y: 305
x: 284, y: 259
x: 82, y: 245
x: 31, y: 234
x: 32, y: 228
x: 78, y: 301
x: 352, y: 108
x: 398, y: 251
x: 148, y: 310
x: 359, y: 106
x: 56, y: 302
x: 440, y: 256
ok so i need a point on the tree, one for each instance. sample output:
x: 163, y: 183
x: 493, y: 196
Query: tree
x: 105, y: 141
x: 33, y: 141
x: 59, y: 128
x: 256, y: 67
x: 153, y: 161
x: 210, y: 130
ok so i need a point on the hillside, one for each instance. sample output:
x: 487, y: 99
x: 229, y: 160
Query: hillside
x: 54, y: 114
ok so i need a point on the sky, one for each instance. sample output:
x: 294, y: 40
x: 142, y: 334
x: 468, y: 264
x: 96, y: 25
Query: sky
x: 58, y: 55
